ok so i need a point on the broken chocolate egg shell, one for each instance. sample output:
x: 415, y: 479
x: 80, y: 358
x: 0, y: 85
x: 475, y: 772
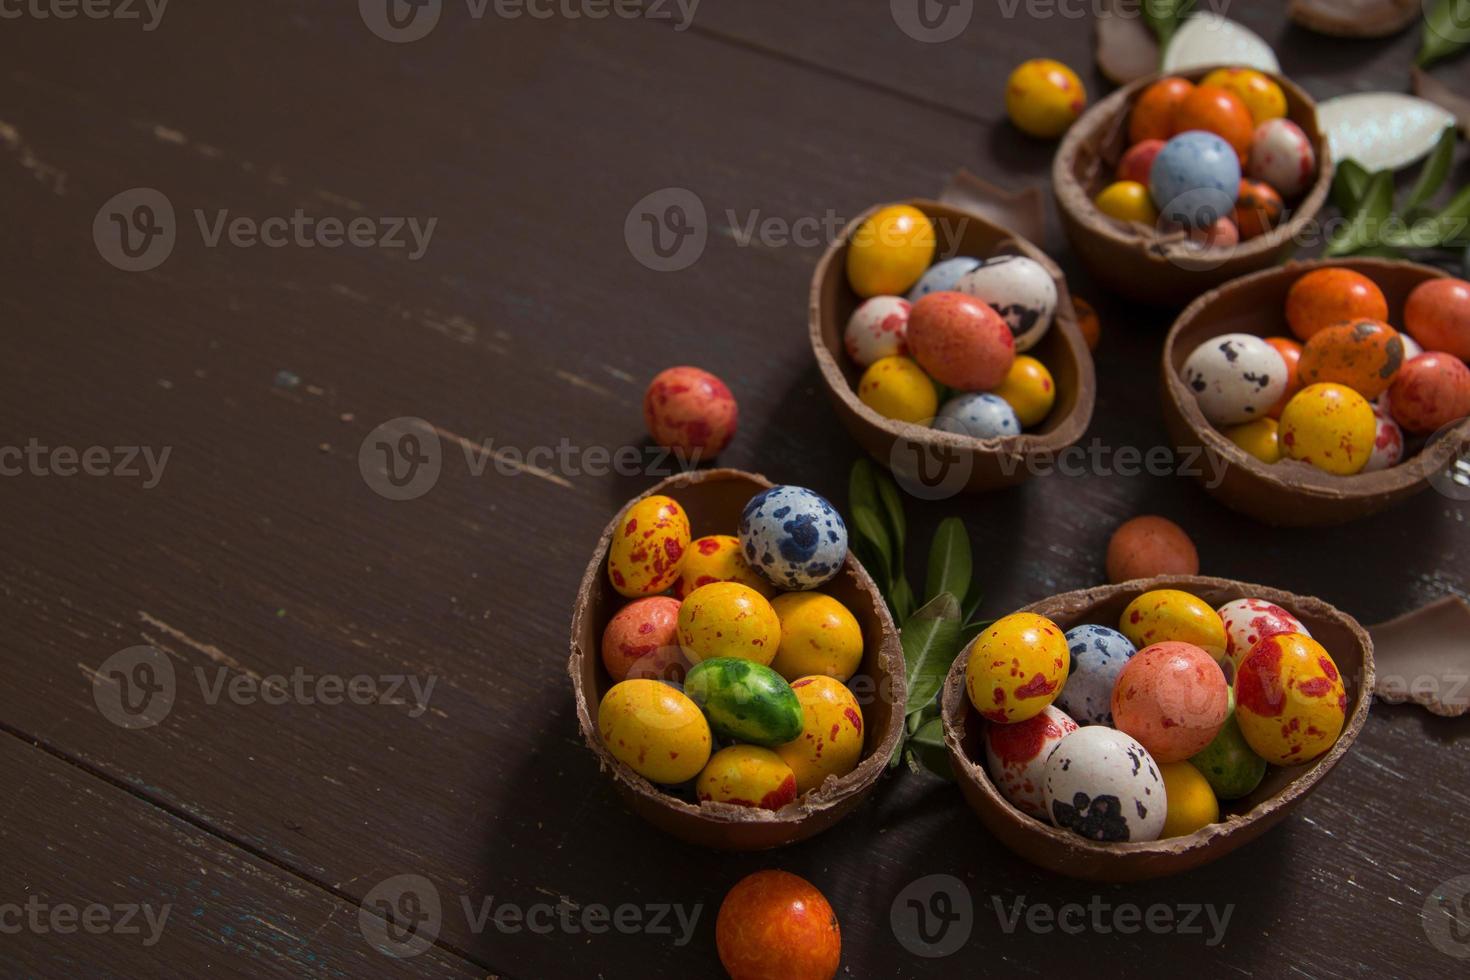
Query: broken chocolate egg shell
x: 1290, y: 493
x: 1425, y: 657
x: 714, y: 499
x: 1241, y: 821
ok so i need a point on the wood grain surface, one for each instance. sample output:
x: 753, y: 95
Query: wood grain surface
x: 263, y: 563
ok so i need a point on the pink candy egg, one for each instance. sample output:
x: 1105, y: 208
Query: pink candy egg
x: 1171, y: 697
x: 641, y: 641
x: 1139, y: 160
x: 877, y: 329
x: 691, y: 411
x: 960, y: 341
x: 1282, y: 156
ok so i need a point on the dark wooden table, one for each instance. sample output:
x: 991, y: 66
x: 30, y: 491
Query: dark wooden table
x: 263, y: 821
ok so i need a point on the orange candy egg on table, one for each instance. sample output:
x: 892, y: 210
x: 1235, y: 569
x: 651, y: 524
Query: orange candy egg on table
x: 1219, y: 111
x: 774, y: 925
x: 1290, y: 700
x: 1330, y: 426
x: 831, y: 739
x: 690, y: 411
x: 648, y: 547
x: 747, y: 775
x: 1257, y: 208
x: 1087, y: 322
x: 1172, y: 614
x: 1016, y: 667
x: 641, y: 640
x: 1154, y: 113
x: 960, y: 341
x: 1258, y: 92
x: 717, y: 558
x: 1044, y: 97
x: 1150, y: 545
x: 1437, y: 315
x: 1429, y: 392
x: 727, y: 619
x: 655, y: 730
x: 1291, y: 355
x: 1325, y: 297
x: 1172, y: 697
x: 889, y: 251
x: 1137, y: 160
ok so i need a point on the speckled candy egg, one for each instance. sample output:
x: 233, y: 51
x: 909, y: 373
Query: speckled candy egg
x: 877, y: 329
x: 1154, y: 111
x: 655, y: 730
x: 1282, y: 156
x: 1431, y: 391
x: 979, y: 415
x: 1098, y: 657
x: 1260, y: 94
x: 717, y: 558
x: 1016, y: 667
x: 1249, y: 621
x: 1194, y: 179
x: 1437, y: 314
x: 1289, y: 699
x: 1388, y: 444
x: 1171, y: 614
x: 747, y: 775
x: 897, y: 388
x: 1235, y: 377
x: 690, y: 411
x: 727, y: 619
x: 960, y: 341
x: 745, y: 701
x: 1138, y: 160
x: 1324, y: 297
x: 1044, y: 97
x: 648, y: 546
x: 793, y: 537
x: 1173, y: 698
x: 1102, y: 785
x: 942, y: 277
x: 1362, y: 354
x: 889, y: 251
x: 1016, y: 757
x: 774, y: 924
x: 1029, y: 390
x: 1330, y: 426
x: 642, y: 640
x: 819, y: 635
x: 831, y: 739
x: 1020, y: 290
x: 1257, y: 208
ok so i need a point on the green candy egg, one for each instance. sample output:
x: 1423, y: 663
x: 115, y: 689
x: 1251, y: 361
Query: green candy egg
x: 1228, y: 763
x: 745, y: 701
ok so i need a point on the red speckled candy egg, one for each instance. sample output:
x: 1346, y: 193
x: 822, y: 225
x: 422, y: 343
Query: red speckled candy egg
x: 1362, y: 354
x: 1324, y: 297
x: 641, y: 640
x: 1139, y: 160
x: 1017, y: 667
x: 648, y: 547
x: 1291, y: 353
x: 1016, y: 756
x: 1257, y: 208
x: 1437, y: 315
x: 1171, y: 697
x: 690, y: 411
x: 718, y: 558
x: 1289, y: 699
x: 1282, y: 156
x: 1249, y: 621
x: 1153, y: 115
x: 1431, y: 390
x: 774, y: 925
x: 960, y: 341
x: 1388, y: 444
x: 1219, y: 111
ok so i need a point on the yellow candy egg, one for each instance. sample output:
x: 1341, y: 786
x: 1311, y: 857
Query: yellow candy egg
x: 1017, y: 667
x: 1261, y: 438
x: 818, y: 636
x: 897, y: 388
x: 718, y: 558
x: 1290, y: 701
x: 890, y: 251
x: 747, y: 775
x: 1263, y: 98
x: 1169, y: 614
x: 1330, y: 426
x: 831, y: 739
x: 655, y: 729
x: 1190, y: 799
x: 1044, y: 97
x: 1127, y: 200
x: 1028, y: 389
x: 648, y: 547
x: 727, y: 619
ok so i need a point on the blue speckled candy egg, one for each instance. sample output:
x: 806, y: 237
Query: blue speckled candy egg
x: 1195, y: 179
x: 793, y: 537
x: 1098, y: 655
x: 981, y: 415
x: 941, y: 277
x: 1020, y: 290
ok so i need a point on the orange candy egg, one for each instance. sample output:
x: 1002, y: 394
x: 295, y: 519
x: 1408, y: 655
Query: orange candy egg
x: 1431, y: 390
x: 777, y: 924
x: 1087, y: 322
x: 1257, y: 208
x: 1148, y: 546
x: 1437, y: 315
x: 642, y: 640
x: 1291, y: 353
x: 1153, y: 113
x: 1362, y: 354
x: 1324, y: 297
x: 1172, y: 697
x: 1219, y: 111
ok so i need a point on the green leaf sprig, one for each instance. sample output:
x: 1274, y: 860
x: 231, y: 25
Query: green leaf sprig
x: 1446, y: 31
x: 1164, y: 17
x: 1374, y: 226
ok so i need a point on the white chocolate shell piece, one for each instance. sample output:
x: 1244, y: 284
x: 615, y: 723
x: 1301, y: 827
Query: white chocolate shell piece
x: 1209, y: 39
x: 1382, y: 130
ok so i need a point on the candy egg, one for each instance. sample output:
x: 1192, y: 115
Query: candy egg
x: 1212, y: 109
x: 1098, y: 657
x: 1127, y: 200
x: 655, y: 730
x: 1388, y: 444
x: 897, y: 388
x: 775, y: 924
x: 641, y: 640
x: 1044, y: 97
x: 1362, y: 354
x: 1330, y: 426
x: 1087, y: 322
x: 1260, y: 95
x: 1221, y: 234
x: 1102, y: 785
x: 1261, y: 438
x: 1016, y: 757
x: 890, y: 251
x: 1195, y: 178
x: 831, y: 739
x: 1169, y: 614
x: 648, y: 547
x: 1192, y: 803
x: 1324, y: 297
x: 877, y: 329
x: 960, y: 341
x: 978, y: 415
x: 1289, y: 699
x: 1431, y: 391
x: 1029, y: 390
x: 1016, y: 667
x: 818, y: 636
x: 747, y: 775
x: 793, y: 537
x: 717, y: 558
x: 1291, y: 355
x: 1020, y: 290
x: 727, y: 619
x: 1173, y: 698
x: 1235, y: 377
x: 1154, y: 111
x: 1148, y: 545
x: 1437, y: 314
x: 1138, y: 160
x: 745, y: 701
x: 942, y: 277
x: 1249, y: 621
x: 690, y: 411
x: 1282, y: 156
x: 1257, y: 208
x: 1228, y: 763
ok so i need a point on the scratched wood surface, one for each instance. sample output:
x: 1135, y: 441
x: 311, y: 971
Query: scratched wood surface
x: 263, y: 557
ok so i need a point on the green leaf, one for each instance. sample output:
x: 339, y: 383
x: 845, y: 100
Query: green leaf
x: 1450, y: 226
x: 1366, y: 223
x: 1164, y: 17
x: 877, y: 567
x: 1446, y: 31
x: 927, y: 752
x: 930, y: 641
x: 950, y: 564
x: 1348, y: 185
x: 892, y: 503
x: 902, y: 601
x: 1434, y: 171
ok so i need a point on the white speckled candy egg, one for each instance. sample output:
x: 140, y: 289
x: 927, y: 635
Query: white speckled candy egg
x: 983, y: 416
x: 1020, y: 290
x: 1236, y: 377
x: 1388, y: 444
x: 942, y: 277
x: 1282, y: 156
x: 1016, y: 756
x: 793, y: 537
x: 1098, y: 657
x: 877, y: 329
x: 1248, y: 622
x: 1102, y: 785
